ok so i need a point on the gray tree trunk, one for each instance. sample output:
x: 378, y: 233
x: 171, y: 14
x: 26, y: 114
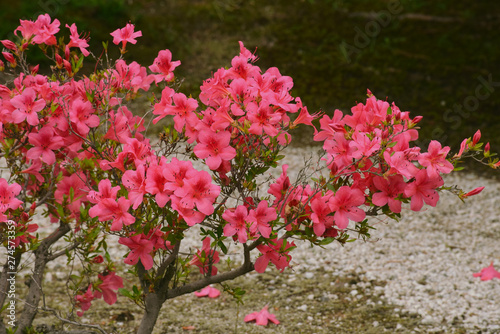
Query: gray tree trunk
x: 42, y: 257
x: 153, y: 305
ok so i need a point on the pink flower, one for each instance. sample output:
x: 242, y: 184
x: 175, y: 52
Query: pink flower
x: 141, y: 248
x: 166, y: 100
x: 164, y: 65
x: 206, y: 258
x: 279, y: 188
x: 263, y: 120
x: 27, y: 107
x: 262, y: 317
x: 365, y: 146
x: 44, y: 144
x: 330, y: 126
x: 45, y: 30
x: 261, y: 216
x: 176, y: 172
x: 399, y: 162
x: 304, y: 116
x: 23, y: 231
x: 105, y: 191
x: 82, y: 116
x: 84, y: 301
x: 34, y: 169
x: 435, y: 159
x: 119, y: 127
x: 487, y: 273
x: 109, y: 283
x: 320, y: 216
x: 135, y: 182
x: 236, y: 223
x: 340, y: 149
x: 182, y: 109
x: 133, y: 76
x: 389, y: 188
x: 155, y: 182
x: 198, y: 190
x: 109, y: 209
x: 209, y: 292
x: 125, y: 35
x: 27, y: 28
x: 345, y: 203
x: 76, y: 41
x: 73, y: 184
x: 423, y: 189
x: 8, y: 200
x: 134, y: 150
x: 276, y: 252
x: 190, y: 216
x: 214, y: 147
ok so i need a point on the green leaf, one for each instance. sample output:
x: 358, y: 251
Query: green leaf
x: 326, y: 241
x: 125, y: 293
x: 223, y: 247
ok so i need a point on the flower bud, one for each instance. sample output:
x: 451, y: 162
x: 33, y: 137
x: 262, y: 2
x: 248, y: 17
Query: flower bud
x: 66, y: 53
x: 10, y: 58
x: 416, y: 119
x: 2, y: 66
x: 397, y: 116
x: 34, y: 69
x: 67, y: 66
x: 9, y: 45
x: 473, y: 192
x: 59, y: 61
x: 32, y: 208
x: 476, y: 137
x: 462, y: 148
x: 98, y: 259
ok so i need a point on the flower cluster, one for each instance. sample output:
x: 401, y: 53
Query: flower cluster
x: 86, y: 159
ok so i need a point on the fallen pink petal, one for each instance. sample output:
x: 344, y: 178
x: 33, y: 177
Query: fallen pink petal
x: 262, y: 317
x: 208, y: 292
x: 488, y: 273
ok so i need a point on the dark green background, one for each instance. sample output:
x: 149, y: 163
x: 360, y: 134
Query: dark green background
x: 427, y: 58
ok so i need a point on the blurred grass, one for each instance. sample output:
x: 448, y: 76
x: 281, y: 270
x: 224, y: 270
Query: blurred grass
x: 425, y: 63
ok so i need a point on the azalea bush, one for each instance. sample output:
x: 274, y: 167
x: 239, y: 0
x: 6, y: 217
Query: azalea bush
x: 78, y: 155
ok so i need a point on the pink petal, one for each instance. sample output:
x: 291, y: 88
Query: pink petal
x: 261, y: 264
x: 341, y: 219
x: 380, y: 198
x: 250, y: 317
